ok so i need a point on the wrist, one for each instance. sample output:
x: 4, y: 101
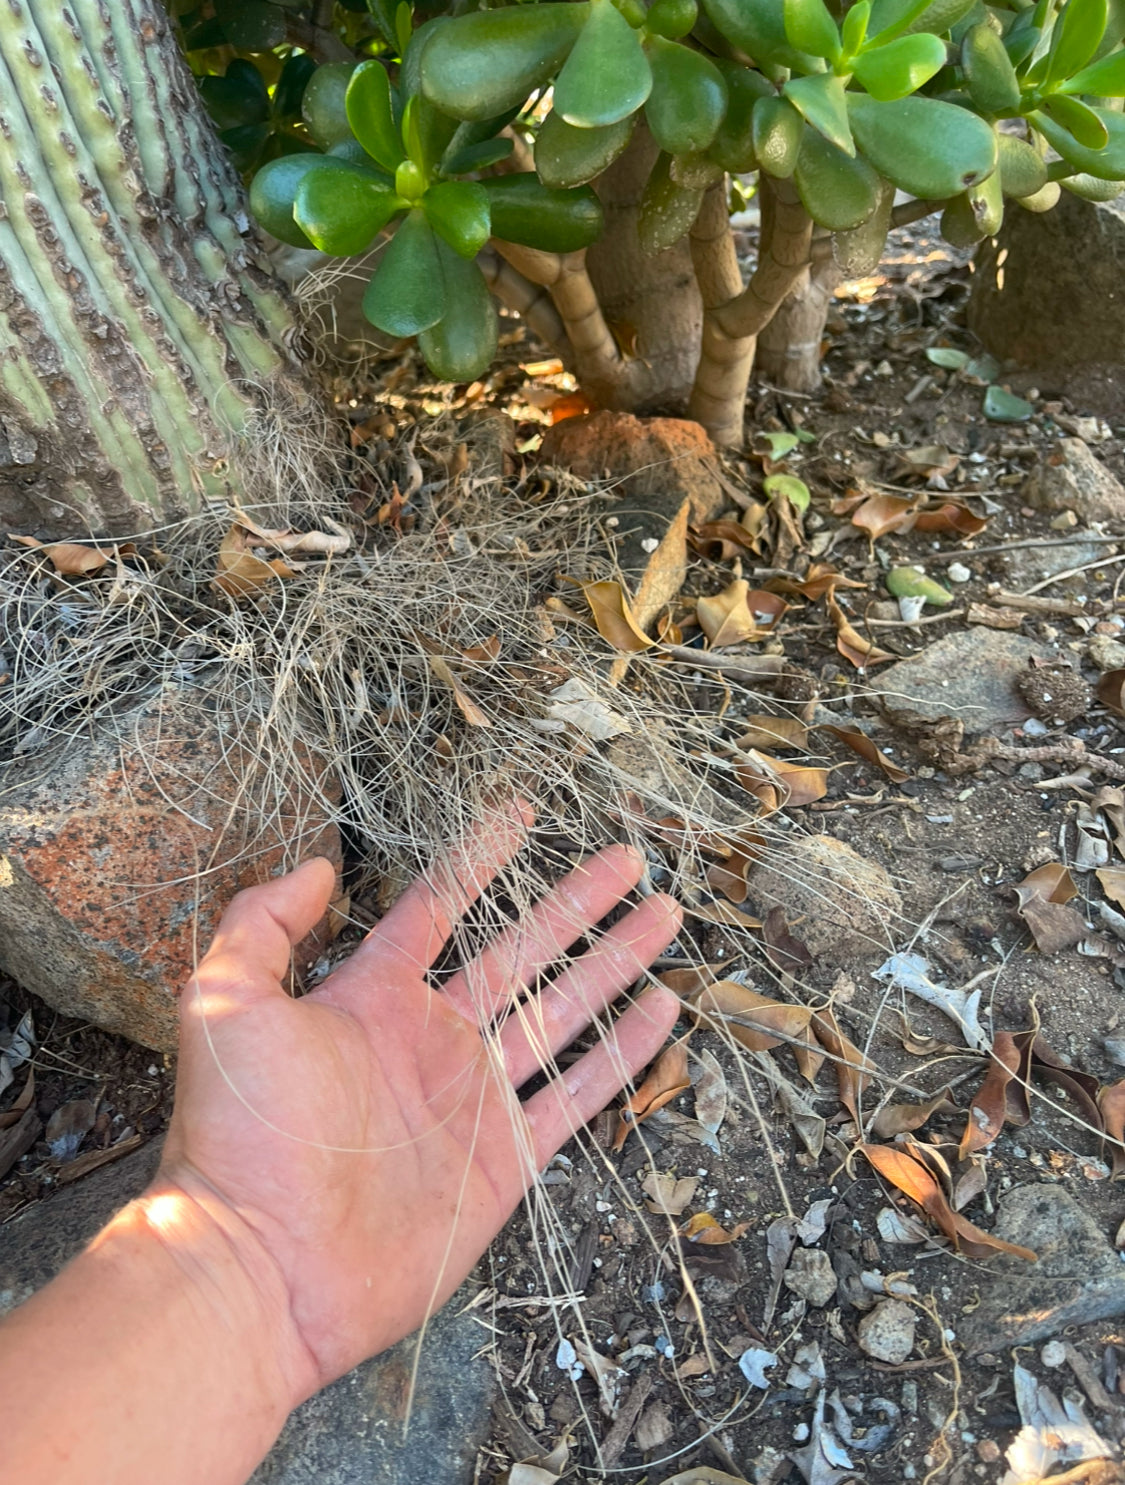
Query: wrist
x: 186, y: 1234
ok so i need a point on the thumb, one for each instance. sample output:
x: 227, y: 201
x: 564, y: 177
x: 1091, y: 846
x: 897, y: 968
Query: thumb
x: 249, y: 956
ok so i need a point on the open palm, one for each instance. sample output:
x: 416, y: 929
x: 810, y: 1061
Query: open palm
x: 368, y: 1135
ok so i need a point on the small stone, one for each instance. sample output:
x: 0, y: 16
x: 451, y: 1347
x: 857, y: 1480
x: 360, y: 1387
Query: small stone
x: 887, y: 1331
x: 1053, y: 1353
x: 964, y: 676
x: 957, y: 572
x: 1106, y: 653
x: 988, y: 1451
x: 842, y: 900
x: 1073, y: 478
x: 811, y: 1277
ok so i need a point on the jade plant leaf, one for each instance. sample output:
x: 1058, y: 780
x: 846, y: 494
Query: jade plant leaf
x: 758, y: 29
x: 271, y: 196
x: 667, y: 209
x: 912, y: 582
x: 324, y: 106
x: 607, y: 76
x: 990, y: 75
x: 238, y: 98
x: 688, y: 98
x: 810, y: 27
x: 932, y: 149
x: 341, y: 209
x: 778, y: 131
x: 838, y: 191
x: 821, y: 99
x: 526, y: 211
x: 1005, y: 407
x: 463, y: 342
x: 1075, y: 39
x: 458, y: 212
x: 1107, y: 163
x: 901, y: 67
x: 371, y: 115
x: 1079, y: 119
x: 566, y: 156
x: 407, y: 291
x: 524, y: 45
x: 1102, y: 79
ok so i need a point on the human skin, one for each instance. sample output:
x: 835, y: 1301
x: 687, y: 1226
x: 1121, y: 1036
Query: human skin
x: 334, y: 1167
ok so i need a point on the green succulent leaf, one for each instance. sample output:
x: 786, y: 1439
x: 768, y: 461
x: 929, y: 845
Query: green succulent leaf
x: 1090, y: 188
x: 975, y: 214
x: 688, y: 98
x: 733, y: 145
x: 932, y: 149
x: 778, y: 130
x: 238, y: 98
x: 461, y: 346
x: 912, y: 582
x: 1075, y: 39
x: 1003, y: 406
x: 1022, y: 169
x: 566, y: 156
x: 859, y: 251
x: 324, y: 105
x: 1078, y: 119
x: 291, y: 85
x: 342, y: 209
x: 370, y: 112
x: 458, y: 212
x: 989, y: 74
x: 891, y: 18
x: 696, y: 170
x: 839, y: 191
x: 1107, y: 163
x: 251, y: 25
x: 757, y: 29
x: 479, y: 65
x: 853, y: 32
x: 526, y: 211
x: 1103, y: 79
x: 810, y: 28
x: 671, y: 18
x: 788, y: 487
x: 821, y: 99
x: 271, y: 196
x: 407, y: 291
x: 1045, y: 199
x: 901, y: 67
x: 477, y: 156
x: 607, y: 76
x: 1021, y: 38
x: 667, y: 209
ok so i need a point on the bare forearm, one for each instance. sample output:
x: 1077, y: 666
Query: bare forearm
x: 158, y: 1354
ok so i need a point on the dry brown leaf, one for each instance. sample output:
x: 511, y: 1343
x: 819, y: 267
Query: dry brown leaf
x: 859, y: 651
x: 1112, y: 879
x: 667, y: 1194
x: 860, y: 743
x: 950, y: 516
x: 852, y: 1066
x: 777, y: 782
x: 722, y: 541
x: 15, y: 1112
x: 723, y: 912
x: 739, y: 614
x: 788, y: 955
x: 904, y: 1118
x: 465, y: 703
x: 696, y: 1365
x: 992, y: 1107
x: 613, y: 616
x: 764, y: 731
x: 924, y: 463
x: 1043, y: 895
x: 703, y: 1474
x: 689, y: 982
x: 877, y: 514
x: 664, y: 572
x: 1111, y: 691
x: 323, y: 543
x: 240, y: 574
x: 1111, y: 1103
x: 915, y: 1181
x: 667, y: 1078
x: 68, y: 557
x: 703, y: 1228
x: 821, y: 578
x: 749, y: 1017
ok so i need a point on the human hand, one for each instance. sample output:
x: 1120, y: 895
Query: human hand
x: 367, y: 1138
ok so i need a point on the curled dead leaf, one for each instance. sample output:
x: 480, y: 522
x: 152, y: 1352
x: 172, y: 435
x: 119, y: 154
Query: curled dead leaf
x: 722, y: 541
x: 667, y: 1078
x: 1111, y: 691
x: 739, y: 614
x: 241, y: 574
x: 1111, y: 1103
x: 992, y: 1105
x: 860, y: 743
x: 1043, y: 895
x: 667, y: 1194
x: 336, y: 540
x: 854, y: 648
x: 912, y: 1178
x: 787, y: 954
x: 613, y: 615
x: 68, y: 557
x: 904, y: 1118
x: 764, y: 731
x: 1112, y: 880
x: 704, y: 1229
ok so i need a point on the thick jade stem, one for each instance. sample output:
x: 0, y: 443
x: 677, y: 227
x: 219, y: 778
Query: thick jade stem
x: 137, y: 319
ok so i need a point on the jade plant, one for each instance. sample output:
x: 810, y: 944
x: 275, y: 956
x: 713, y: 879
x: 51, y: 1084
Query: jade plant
x: 581, y: 161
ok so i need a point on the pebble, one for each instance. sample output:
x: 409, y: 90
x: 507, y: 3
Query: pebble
x: 1053, y: 1353
x: 811, y: 1277
x: 957, y: 572
x: 887, y: 1331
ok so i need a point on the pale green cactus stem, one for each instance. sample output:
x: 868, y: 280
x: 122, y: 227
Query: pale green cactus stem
x: 137, y: 323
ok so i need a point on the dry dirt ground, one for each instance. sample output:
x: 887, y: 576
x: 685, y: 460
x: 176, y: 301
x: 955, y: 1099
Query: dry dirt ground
x: 956, y: 835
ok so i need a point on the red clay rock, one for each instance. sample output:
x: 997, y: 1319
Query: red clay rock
x: 665, y: 457
x: 118, y: 858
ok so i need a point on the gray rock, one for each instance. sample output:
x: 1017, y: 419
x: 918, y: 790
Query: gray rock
x: 969, y: 675
x: 1048, y: 290
x: 1025, y: 566
x: 887, y: 1331
x: 1079, y: 1276
x: 1106, y: 653
x: 349, y: 1434
x: 810, y: 1276
x: 841, y: 904
x: 1073, y: 478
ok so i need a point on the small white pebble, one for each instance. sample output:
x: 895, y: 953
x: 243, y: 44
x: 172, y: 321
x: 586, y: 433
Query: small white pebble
x: 649, y: 544
x: 957, y: 572
x: 1053, y: 1353
x: 153, y: 1070
x: 800, y: 1433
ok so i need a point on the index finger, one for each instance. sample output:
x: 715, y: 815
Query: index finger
x: 417, y: 927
